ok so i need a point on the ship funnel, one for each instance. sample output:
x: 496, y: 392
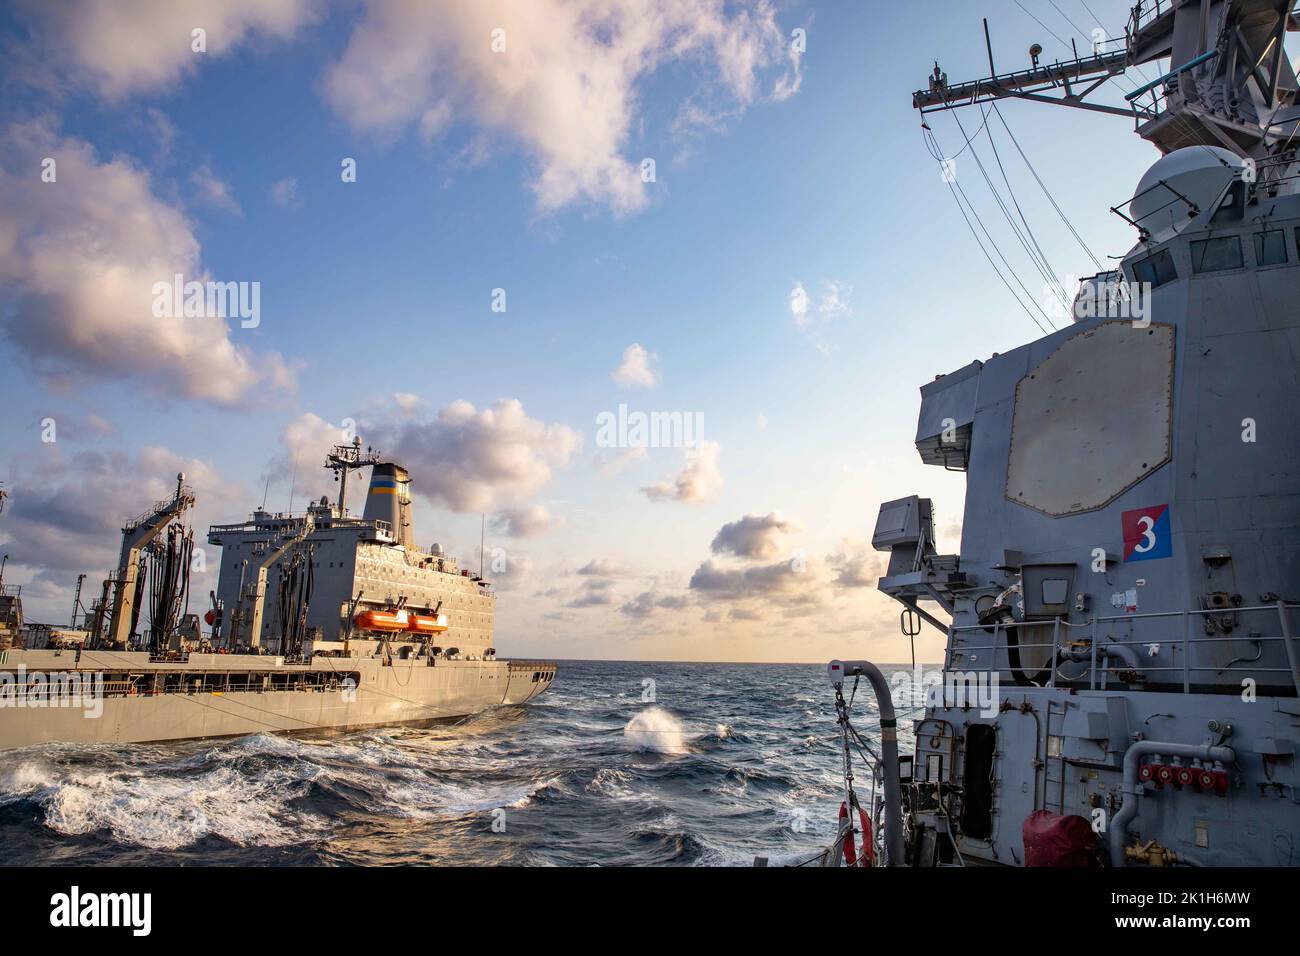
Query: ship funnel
x: 389, y: 499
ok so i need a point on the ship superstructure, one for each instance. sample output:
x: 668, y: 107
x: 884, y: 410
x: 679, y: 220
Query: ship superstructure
x: 1129, y: 573
x: 324, y: 580
x: 320, y: 622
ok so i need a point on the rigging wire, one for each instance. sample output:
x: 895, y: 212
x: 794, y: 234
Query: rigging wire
x: 1041, y: 24
x: 1047, y: 192
x: 959, y: 194
x: 1049, y: 275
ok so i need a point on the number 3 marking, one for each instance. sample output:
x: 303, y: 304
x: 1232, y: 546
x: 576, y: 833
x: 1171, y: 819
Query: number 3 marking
x: 1148, y: 536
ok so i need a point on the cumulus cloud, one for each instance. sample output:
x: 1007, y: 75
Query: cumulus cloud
x: 212, y: 189
x: 857, y: 565
x: 637, y: 368
x: 753, y: 536
x: 648, y: 603
x: 517, y: 573
x: 613, y: 462
x: 523, y: 522
x: 595, y: 592
x: 68, y: 426
x: 561, y: 79
x: 782, y: 582
x: 299, y: 465
x: 698, y: 481
x: 118, y: 49
x: 471, y: 459
x: 65, y: 513
x: 79, y: 258
x: 601, y: 567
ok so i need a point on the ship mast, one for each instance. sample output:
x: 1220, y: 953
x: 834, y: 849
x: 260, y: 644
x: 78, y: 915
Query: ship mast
x: 344, y: 458
x: 1230, y: 84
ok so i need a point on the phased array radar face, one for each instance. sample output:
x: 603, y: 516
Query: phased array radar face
x: 1092, y: 419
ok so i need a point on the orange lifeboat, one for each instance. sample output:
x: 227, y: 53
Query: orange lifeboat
x: 427, y: 623
x: 383, y: 620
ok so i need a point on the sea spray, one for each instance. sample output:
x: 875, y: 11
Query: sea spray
x: 657, y: 730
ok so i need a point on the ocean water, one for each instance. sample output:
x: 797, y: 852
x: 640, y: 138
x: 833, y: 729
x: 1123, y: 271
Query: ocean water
x: 725, y: 762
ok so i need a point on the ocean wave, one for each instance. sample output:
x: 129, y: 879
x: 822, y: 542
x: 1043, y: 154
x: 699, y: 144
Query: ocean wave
x: 162, y: 812
x: 656, y: 730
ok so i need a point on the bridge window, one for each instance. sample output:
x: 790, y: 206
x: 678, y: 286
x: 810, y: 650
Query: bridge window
x: 1270, y: 247
x: 1216, y: 255
x: 1157, y: 268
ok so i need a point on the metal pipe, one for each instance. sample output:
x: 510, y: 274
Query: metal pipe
x: 838, y: 670
x: 1119, y: 652
x: 1196, y: 61
x: 1286, y: 643
x: 1133, y: 791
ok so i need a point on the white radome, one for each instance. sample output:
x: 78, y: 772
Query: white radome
x: 1199, y: 173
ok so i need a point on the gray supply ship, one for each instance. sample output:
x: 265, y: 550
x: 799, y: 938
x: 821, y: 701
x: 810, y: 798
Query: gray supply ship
x: 1129, y: 570
x: 320, y: 622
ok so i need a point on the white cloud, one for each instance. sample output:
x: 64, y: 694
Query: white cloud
x: 299, y: 467
x: 477, y: 460
x: 601, y: 567
x: 65, y: 513
x: 78, y: 260
x: 786, y: 583
x: 284, y: 192
x: 565, y: 86
x: 637, y: 368
x: 857, y: 565
x: 523, y: 522
x: 119, y: 49
x: 753, y: 536
x: 700, y: 480
x: 834, y: 303
x: 612, y: 463
x: 595, y: 592
x: 649, y: 603
x: 214, y: 190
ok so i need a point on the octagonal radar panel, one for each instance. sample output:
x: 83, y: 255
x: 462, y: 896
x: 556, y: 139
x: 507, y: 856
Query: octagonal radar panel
x: 1092, y: 419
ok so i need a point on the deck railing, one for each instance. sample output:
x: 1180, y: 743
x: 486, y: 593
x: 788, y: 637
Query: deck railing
x: 1179, y: 672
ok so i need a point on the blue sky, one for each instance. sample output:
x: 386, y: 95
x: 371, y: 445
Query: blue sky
x: 773, y: 172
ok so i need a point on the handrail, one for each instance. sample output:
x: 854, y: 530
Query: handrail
x: 1184, y: 642
x: 184, y: 493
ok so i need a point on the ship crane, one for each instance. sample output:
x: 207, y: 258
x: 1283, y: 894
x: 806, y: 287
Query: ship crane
x: 254, y: 596
x: 135, y: 536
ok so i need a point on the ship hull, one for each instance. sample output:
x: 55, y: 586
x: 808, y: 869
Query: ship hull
x: 208, y: 696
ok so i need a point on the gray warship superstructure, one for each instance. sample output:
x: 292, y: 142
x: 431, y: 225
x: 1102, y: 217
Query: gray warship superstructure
x: 320, y: 622
x: 1129, y: 567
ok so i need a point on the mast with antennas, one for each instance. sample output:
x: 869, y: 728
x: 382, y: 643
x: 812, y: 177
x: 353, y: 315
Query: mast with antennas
x: 343, y: 459
x: 1229, y: 85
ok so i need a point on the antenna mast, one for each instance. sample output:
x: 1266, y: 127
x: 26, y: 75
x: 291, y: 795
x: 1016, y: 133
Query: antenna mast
x: 1233, y: 87
x: 343, y: 459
